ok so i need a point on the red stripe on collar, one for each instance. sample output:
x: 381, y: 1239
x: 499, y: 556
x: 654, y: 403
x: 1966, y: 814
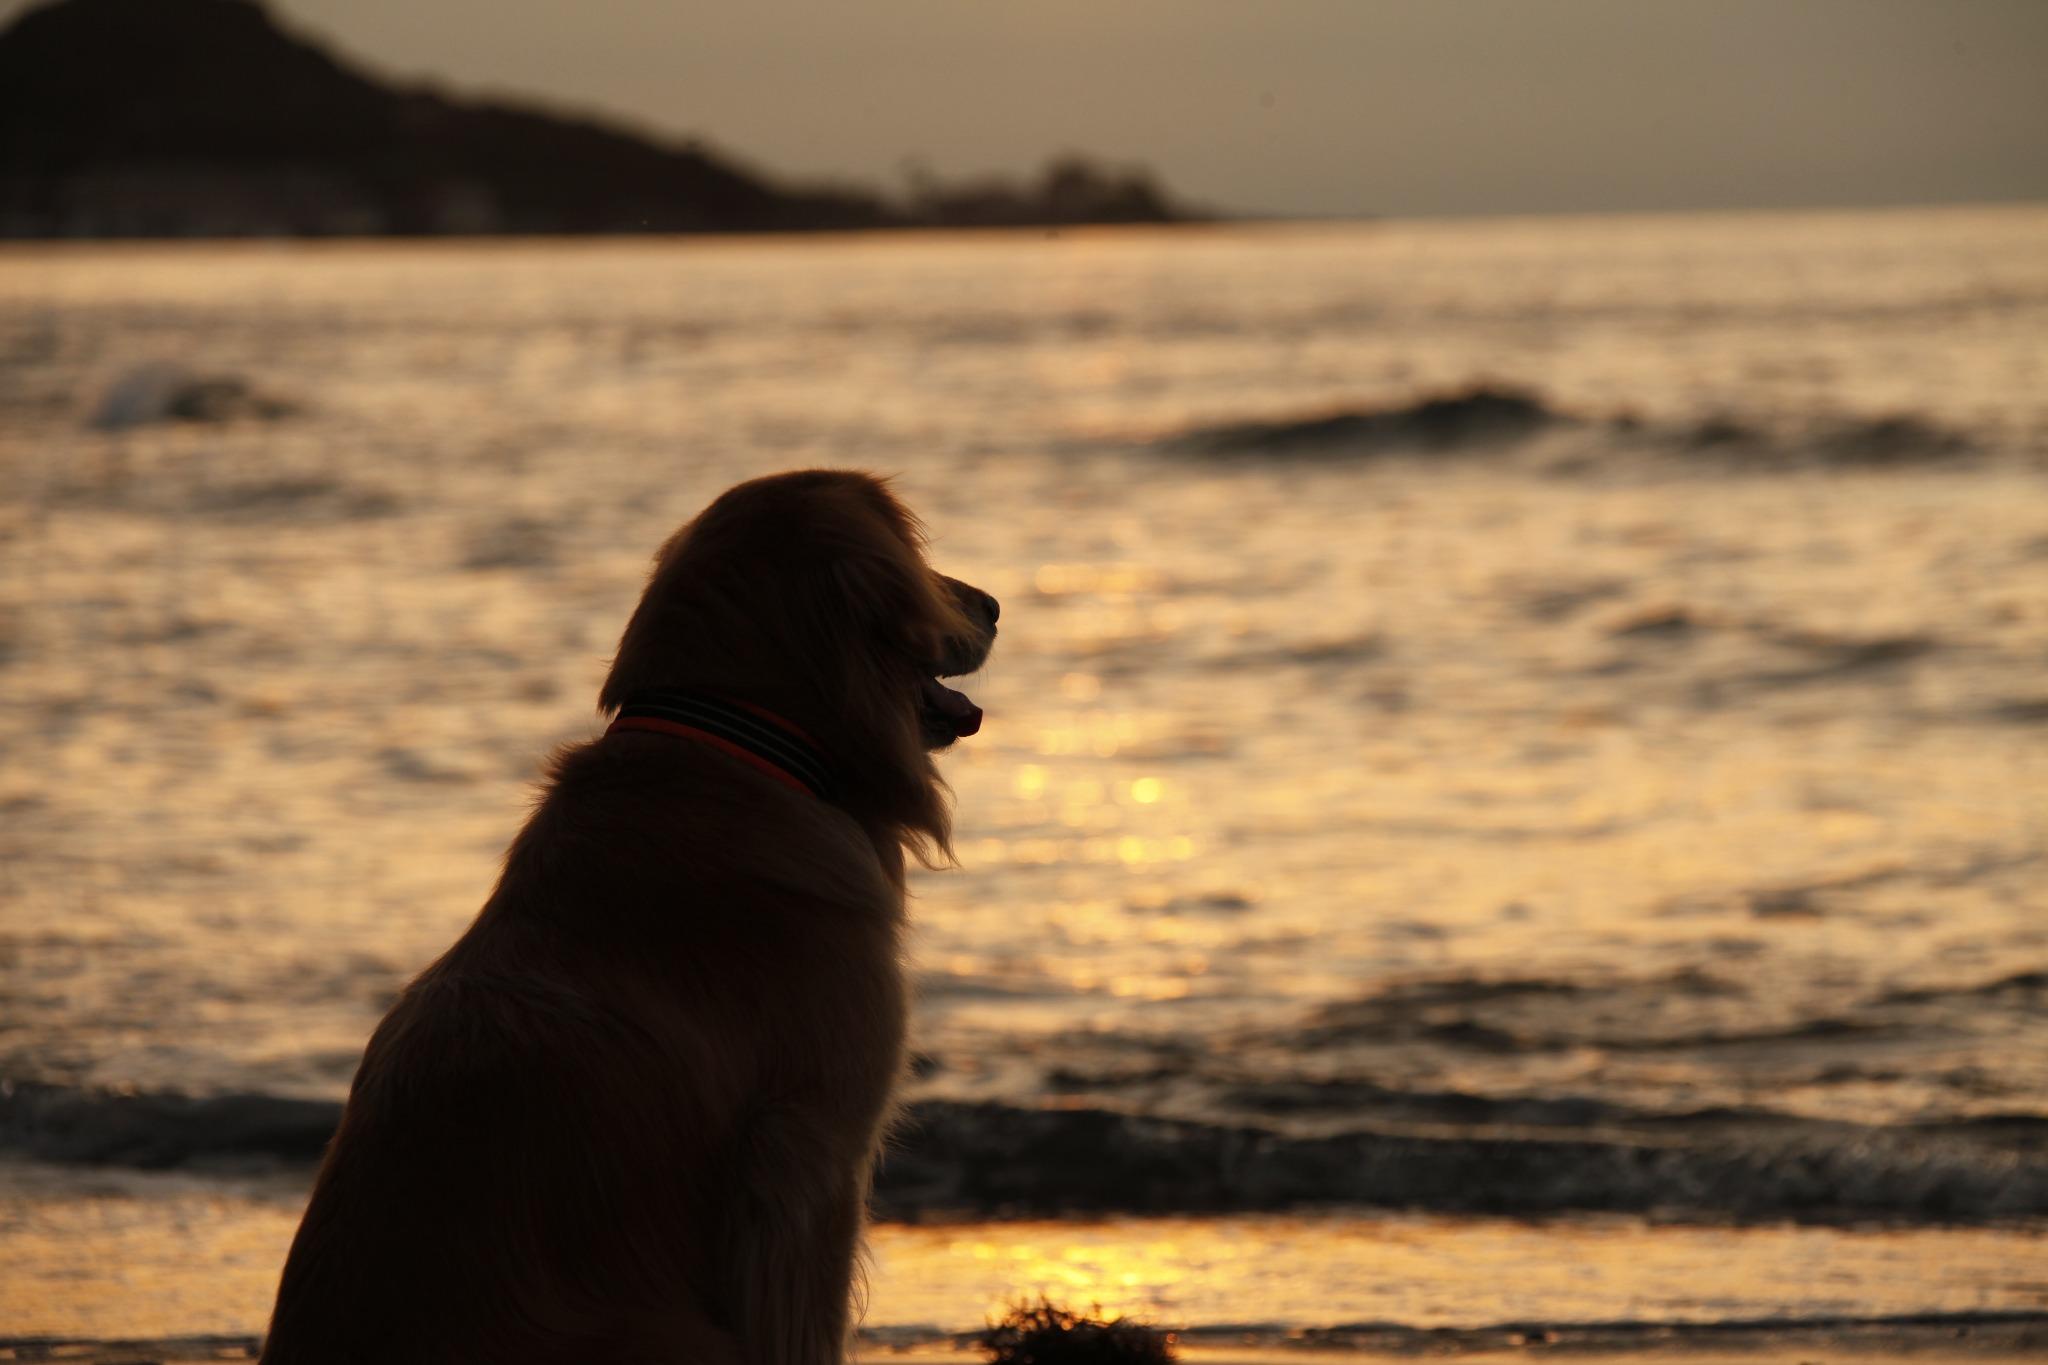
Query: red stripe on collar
x: 779, y: 722
x: 725, y: 746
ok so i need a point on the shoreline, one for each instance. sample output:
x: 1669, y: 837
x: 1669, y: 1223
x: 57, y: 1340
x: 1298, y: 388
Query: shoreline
x: 1933, y: 1340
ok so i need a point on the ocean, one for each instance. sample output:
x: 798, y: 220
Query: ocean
x: 1514, y: 797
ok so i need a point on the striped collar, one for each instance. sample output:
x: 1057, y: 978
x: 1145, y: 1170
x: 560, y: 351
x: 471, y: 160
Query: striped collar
x: 751, y: 734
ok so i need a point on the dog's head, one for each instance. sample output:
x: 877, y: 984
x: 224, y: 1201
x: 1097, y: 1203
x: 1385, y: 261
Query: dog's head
x: 808, y: 593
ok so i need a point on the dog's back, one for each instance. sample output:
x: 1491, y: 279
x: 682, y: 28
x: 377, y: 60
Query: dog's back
x: 669, y: 1034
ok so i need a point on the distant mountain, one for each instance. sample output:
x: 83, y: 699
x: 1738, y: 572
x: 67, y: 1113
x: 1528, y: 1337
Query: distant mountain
x: 183, y: 118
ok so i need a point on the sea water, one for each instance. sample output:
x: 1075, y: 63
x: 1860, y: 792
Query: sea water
x: 1534, y: 718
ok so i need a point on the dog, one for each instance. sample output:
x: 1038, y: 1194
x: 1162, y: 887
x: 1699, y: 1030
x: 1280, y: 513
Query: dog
x: 633, y: 1113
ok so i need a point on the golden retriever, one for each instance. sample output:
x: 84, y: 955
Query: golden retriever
x: 632, y: 1114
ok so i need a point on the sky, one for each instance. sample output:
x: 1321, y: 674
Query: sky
x: 1291, y: 107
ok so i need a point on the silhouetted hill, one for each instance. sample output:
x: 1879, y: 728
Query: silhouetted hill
x: 128, y: 118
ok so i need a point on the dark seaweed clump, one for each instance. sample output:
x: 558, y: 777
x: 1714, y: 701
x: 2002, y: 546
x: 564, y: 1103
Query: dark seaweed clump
x: 1043, y: 1334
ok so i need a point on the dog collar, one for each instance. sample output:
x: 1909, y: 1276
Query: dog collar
x: 751, y: 734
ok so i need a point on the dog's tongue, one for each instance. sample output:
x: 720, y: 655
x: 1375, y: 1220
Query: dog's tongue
x: 964, y: 715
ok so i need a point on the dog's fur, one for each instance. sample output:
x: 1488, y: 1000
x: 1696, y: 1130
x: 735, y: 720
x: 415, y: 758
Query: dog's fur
x: 632, y: 1113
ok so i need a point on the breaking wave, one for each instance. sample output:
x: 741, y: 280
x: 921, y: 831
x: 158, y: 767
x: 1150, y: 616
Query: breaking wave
x: 162, y: 391
x: 994, y: 1160
x: 1886, y: 438
x: 1490, y: 416
x: 157, y: 1131
x: 1482, y: 415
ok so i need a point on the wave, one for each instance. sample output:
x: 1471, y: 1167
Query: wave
x: 996, y: 1160
x: 1826, y: 658
x: 1481, y: 415
x: 161, y: 391
x: 516, y: 542
x: 161, y: 1130
x: 1523, y: 1014
x: 1677, y: 1012
x: 297, y: 498
x: 1882, y: 1336
x: 1796, y: 656
x: 293, y: 498
x: 1489, y: 416
x: 1883, y: 439
x: 1366, y: 1102
x: 2032, y: 985
x: 1334, y: 650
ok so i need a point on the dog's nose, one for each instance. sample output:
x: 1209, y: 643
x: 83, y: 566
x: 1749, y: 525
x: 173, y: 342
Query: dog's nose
x: 995, y: 608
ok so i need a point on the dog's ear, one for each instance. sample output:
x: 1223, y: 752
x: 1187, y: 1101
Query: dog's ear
x: 902, y: 603
x: 878, y: 622
x: 871, y: 550
x: 872, y: 618
x: 658, y: 636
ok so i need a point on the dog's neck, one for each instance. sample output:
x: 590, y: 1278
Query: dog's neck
x: 752, y: 734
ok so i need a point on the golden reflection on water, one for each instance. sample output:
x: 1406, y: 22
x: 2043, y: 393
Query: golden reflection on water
x: 1129, y: 850
x: 1095, y: 580
x: 1080, y: 686
x: 1430, y: 1272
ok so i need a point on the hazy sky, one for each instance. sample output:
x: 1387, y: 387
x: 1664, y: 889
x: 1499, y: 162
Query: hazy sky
x: 1293, y: 106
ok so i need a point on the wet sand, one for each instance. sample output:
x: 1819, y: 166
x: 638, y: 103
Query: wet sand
x: 104, y: 1259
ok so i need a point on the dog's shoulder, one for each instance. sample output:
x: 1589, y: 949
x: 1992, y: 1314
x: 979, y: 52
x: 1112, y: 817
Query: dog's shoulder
x: 650, y: 817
